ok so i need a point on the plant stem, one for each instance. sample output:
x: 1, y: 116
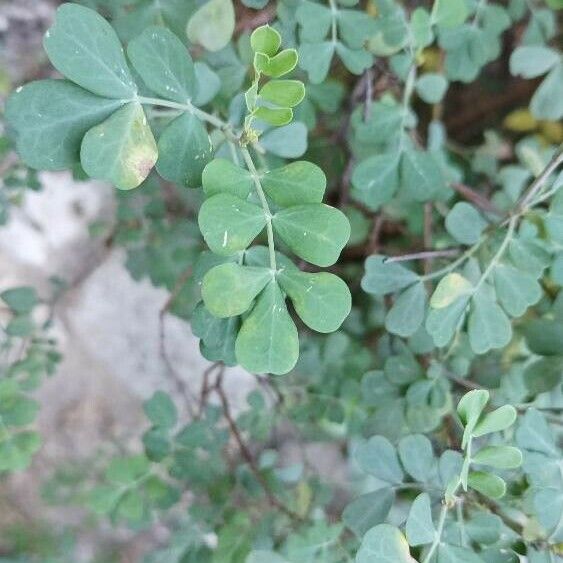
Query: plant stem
x: 439, y: 531
x: 499, y: 254
x: 247, y: 454
x: 334, y: 10
x: 203, y: 115
x: 265, y: 206
x: 527, y: 200
x: 407, y: 94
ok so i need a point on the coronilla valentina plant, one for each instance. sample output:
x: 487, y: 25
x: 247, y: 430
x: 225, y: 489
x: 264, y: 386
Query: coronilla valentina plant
x: 273, y: 160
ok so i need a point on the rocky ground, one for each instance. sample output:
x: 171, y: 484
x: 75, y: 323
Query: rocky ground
x: 107, y: 325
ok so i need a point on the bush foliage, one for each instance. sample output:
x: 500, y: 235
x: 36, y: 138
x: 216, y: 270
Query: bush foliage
x: 362, y: 207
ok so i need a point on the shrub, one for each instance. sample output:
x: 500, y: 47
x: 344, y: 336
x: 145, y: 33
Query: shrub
x: 440, y: 381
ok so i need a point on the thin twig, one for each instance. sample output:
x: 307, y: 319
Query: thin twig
x: 181, y: 387
x: 427, y: 235
x: 475, y: 197
x: 538, y: 183
x: 249, y: 458
x: 424, y: 255
x: 373, y: 241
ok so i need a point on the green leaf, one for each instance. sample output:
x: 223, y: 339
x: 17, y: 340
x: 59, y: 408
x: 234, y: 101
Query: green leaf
x: 495, y: 421
x: 378, y: 457
x: 278, y: 65
x: 50, y: 118
x: 384, y: 544
x: 449, y: 13
x: 285, y: 93
x: 121, y: 150
x: 484, y: 528
x: 535, y: 434
x: 229, y: 224
x: 421, y: 26
x: 431, y: 87
x: 530, y: 61
x: 488, y: 325
x: 417, y: 457
x: 16, y: 451
x: 322, y: 300
x: 315, y: 59
x: 315, y: 20
x: 544, y: 336
x: 208, y: 84
x: 501, y: 457
x: 296, y: 183
x: 355, y: 60
x: 217, y: 335
x: 383, y: 277
x: 450, y: 288
x: 354, y: 27
x: 469, y: 409
x: 184, y: 149
x: 516, y: 290
x: 84, y: 47
x: 315, y: 232
x: 544, y: 374
x: 368, y: 510
x: 376, y: 180
x: 274, y: 116
x: 265, y: 39
x: 547, y: 101
x: 212, y: 26
x: 443, y: 323
x: 407, y: 314
x: 163, y: 63
x: 289, y: 141
x: 420, y: 528
x: 103, y: 499
x: 161, y: 410
x: 127, y: 469
x: 267, y: 341
x: 222, y: 176
x: 465, y: 223
x: 229, y: 289
x: 421, y: 177
x: 528, y: 256
x: 488, y: 484
x: 20, y: 299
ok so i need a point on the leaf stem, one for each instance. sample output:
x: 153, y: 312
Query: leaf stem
x: 499, y: 254
x: 265, y: 206
x: 438, y: 536
x: 527, y: 200
x: 189, y: 107
x: 334, y: 31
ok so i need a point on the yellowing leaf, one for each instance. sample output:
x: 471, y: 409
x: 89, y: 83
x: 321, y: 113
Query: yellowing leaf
x: 451, y: 287
x: 121, y: 150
